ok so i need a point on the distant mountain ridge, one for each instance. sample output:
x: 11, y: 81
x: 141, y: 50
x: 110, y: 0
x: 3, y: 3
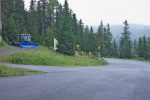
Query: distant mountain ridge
x: 137, y: 30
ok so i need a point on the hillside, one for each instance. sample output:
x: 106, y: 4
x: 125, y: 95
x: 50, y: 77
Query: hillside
x: 136, y: 29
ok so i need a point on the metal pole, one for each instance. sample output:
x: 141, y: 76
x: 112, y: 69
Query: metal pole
x: 0, y: 23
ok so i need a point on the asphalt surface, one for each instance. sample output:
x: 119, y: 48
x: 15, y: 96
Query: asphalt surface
x: 120, y: 80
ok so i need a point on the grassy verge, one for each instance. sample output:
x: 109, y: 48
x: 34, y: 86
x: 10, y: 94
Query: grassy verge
x: 44, y: 56
x: 141, y: 59
x: 3, y: 45
x: 6, y: 71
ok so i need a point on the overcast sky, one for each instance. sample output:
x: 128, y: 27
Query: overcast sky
x: 112, y: 11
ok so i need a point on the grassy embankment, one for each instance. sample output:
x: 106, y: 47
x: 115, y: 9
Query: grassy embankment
x: 142, y: 59
x: 6, y: 71
x: 3, y: 45
x: 44, y: 56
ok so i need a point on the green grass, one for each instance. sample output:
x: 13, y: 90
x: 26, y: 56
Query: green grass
x: 6, y: 71
x: 142, y: 59
x: 3, y: 45
x: 44, y: 56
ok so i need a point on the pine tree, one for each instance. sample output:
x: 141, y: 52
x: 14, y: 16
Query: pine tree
x: 86, y: 39
x: 114, y: 49
x: 125, y: 42
x: 100, y: 39
x: 0, y: 23
x: 14, y: 17
x: 140, y: 47
x: 32, y: 25
x: 92, y: 41
x: 108, y: 39
x: 50, y: 23
x: 57, y: 25
x: 144, y: 47
x: 80, y: 35
x: 148, y: 48
x: 75, y: 29
x: 52, y: 6
x: 135, y: 49
x: 66, y: 36
x: 9, y: 31
x: 19, y: 15
x: 42, y: 16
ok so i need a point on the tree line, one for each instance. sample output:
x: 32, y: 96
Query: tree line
x: 48, y: 19
x: 129, y: 48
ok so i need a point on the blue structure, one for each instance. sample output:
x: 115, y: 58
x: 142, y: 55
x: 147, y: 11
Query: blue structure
x: 25, y: 41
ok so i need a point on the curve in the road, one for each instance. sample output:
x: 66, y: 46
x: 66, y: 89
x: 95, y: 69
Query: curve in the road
x: 120, y: 80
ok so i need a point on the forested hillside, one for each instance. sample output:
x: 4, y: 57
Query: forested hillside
x: 136, y: 30
x: 48, y: 19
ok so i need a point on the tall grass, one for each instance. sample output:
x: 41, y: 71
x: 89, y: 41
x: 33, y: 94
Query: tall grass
x: 44, y: 56
x: 3, y: 45
x: 6, y: 71
x: 142, y: 59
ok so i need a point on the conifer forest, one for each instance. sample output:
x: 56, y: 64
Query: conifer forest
x: 48, y: 19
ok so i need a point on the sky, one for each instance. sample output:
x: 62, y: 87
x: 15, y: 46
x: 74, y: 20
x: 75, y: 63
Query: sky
x: 110, y: 11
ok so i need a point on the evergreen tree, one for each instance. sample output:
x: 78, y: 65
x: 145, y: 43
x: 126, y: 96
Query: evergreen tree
x: 108, y: 39
x: 42, y: 16
x: 125, y: 42
x: 50, y: 23
x: 144, y: 47
x: 9, y: 31
x: 92, y: 41
x: 75, y: 29
x: 140, y: 47
x: 100, y: 39
x: 135, y: 49
x: 51, y: 13
x: 66, y: 36
x: 0, y: 23
x: 114, y: 49
x: 19, y: 15
x: 80, y: 35
x: 148, y: 48
x: 86, y: 39
x: 58, y: 25
x: 14, y: 17
x: 32, y: 25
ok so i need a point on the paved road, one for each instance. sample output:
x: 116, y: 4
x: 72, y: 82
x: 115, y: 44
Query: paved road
x: 120, y: 80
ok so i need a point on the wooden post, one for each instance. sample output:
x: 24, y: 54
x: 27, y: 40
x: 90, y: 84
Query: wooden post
x: 0, y: 22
